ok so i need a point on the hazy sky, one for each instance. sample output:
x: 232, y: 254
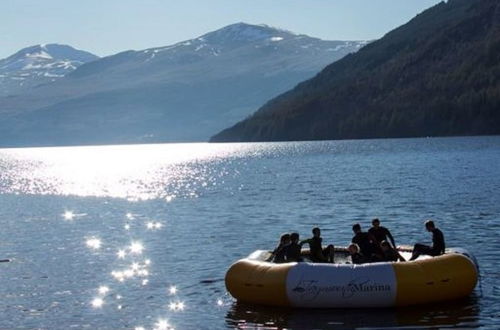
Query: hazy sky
x: 106, y: 27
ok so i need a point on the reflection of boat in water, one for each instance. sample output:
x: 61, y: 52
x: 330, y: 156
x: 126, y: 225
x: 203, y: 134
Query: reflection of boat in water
x: 450, y: 276
x: 462, y: 313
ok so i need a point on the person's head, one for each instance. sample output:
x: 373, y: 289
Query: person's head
x: 353, y: 248
x: 294, y: 237
x: 356, y: 228
x: 376, y: 222
x: 429, y: 225
x: 316, y: 232
x: 385, y: 246
x: 285, y: 238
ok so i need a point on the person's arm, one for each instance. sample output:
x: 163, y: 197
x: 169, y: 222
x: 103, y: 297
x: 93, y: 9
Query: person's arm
x: 276, y: 249
x: 308, y: 241
x: 388, y: 234
x: 441, y: 239
x: 272, y: 254
x: 293, y: 253
x: 400, y: 257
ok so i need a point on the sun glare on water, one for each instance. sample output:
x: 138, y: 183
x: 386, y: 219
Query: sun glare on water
x: 164, y: 172
x: 134, y: 172
x: 103, y: 289
x: 68, y: 215
x: 97, y: 303
x: 121, y: 254
x: 94, y: 243
x: 162, y: 324
x: 136, y: 247
x: 172, y: 290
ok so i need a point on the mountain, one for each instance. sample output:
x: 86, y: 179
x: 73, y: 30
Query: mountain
x: 38, y: 65
x: 437, y: 75
x: 183, y: 92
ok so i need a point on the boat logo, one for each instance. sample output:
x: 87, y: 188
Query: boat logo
x: 309, y: 290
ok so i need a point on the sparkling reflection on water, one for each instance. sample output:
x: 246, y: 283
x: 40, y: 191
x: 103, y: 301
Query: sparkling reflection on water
x: 141, y: 236
x: 133, y: 172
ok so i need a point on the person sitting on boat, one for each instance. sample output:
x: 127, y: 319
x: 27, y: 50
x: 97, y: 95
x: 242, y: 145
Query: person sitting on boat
x: 318, y: 254
x: 356, y: 257
x: 437, y: 247
x: 389, y: 253
x: 293, y: 250
x: 380, y: 233
x: 366, y: 243
x: 279, y: 251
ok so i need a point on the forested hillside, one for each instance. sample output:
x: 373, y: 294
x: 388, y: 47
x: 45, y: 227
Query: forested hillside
x: 437, y: 75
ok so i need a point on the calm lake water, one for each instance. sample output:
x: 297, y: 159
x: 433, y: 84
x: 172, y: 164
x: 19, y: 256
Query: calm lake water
x: 141, y: 236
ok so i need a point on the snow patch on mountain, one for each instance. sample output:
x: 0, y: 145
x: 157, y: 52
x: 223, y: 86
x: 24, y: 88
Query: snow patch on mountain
x: 39, y: 64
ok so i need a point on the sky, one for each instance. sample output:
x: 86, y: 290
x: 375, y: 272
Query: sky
x: 106, y: 27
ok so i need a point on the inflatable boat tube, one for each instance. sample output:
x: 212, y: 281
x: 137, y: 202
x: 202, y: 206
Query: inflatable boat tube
x: 384, y: 284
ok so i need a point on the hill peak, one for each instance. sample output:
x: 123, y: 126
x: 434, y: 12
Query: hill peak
x: 53, y: 52
x: 38, y: 64
x: 244, y: 32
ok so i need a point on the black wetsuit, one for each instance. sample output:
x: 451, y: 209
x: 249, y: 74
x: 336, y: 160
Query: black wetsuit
x: 358, y: 258
x: 279, y: 254
x: 390, y: 255
x: 437, y: 248
x: 381, y: 234
x: 316, y: 248
x: 365, y: 244
x: 438, y: 245
x: 292, y: 253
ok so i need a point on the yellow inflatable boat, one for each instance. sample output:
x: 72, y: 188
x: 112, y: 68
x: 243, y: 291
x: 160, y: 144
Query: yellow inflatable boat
x: 343, y: 285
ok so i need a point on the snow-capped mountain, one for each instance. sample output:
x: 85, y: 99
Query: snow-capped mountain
x: 39, y: 64
x: 182, y: 92
x: 245, y: 43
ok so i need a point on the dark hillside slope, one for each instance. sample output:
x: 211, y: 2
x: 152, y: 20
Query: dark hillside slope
x: 437, y: 75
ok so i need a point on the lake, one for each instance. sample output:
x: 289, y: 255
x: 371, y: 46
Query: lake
x: 141, y: 236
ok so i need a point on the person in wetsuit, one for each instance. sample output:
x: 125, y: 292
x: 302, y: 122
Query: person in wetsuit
x: 280, y: 250
x: 356, y: 257
x: 293, y: 250
x: 389, y: 253
x: 366, y: 242
x: 380, y: 233
x: 438, y: 246
x: 318, y: 254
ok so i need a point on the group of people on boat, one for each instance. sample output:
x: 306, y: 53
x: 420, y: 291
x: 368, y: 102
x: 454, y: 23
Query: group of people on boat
x: 376, y: 245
